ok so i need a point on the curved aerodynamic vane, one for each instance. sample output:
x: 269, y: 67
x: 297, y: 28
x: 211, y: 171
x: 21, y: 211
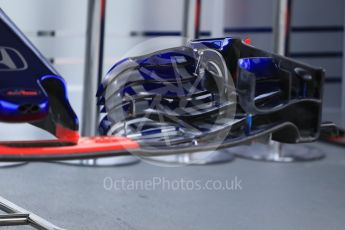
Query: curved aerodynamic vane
x: 206, y: 95
x: 211, y: 93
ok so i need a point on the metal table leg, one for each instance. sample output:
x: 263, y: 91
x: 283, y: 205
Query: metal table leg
x: 93, y: 76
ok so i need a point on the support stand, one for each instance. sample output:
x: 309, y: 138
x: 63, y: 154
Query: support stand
x: 200, y: 158
x: 191, y: 28
x: 277, y: 152
x: 11, y: 164
x: 104, y: 162
x: 269, y: 150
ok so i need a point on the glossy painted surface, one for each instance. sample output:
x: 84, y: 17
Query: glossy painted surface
x: 31, y: 90
x: 269, y: 88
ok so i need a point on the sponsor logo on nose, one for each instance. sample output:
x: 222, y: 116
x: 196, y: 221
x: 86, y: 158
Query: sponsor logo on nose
x: 11, y: 60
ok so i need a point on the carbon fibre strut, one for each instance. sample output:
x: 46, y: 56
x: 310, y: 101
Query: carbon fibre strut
x: 17, y: 216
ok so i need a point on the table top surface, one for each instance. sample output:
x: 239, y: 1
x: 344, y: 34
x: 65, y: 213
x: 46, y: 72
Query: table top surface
x: 280, y: 196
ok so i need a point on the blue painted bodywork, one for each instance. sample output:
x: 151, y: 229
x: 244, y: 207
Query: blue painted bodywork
x: 267, y: 88
x: 31, y: 90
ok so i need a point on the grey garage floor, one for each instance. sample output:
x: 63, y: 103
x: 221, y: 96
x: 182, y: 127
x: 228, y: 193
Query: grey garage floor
x: 270, y: 196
